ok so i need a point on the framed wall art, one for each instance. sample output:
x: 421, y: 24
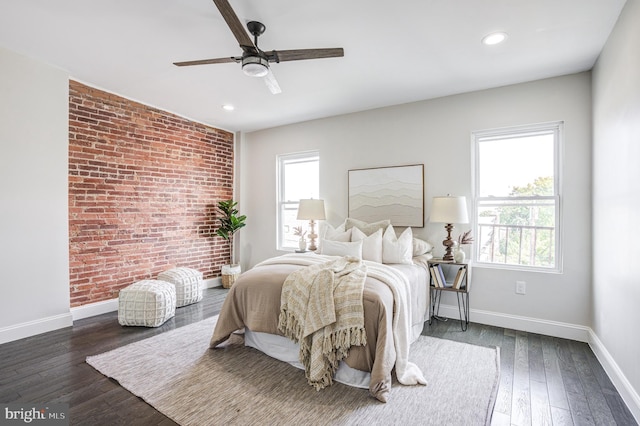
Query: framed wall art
x: 395, y: 193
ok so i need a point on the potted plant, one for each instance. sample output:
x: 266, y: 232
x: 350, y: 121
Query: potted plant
x: 302, y: 242
x: 230, y: 223
x: 463, y: 239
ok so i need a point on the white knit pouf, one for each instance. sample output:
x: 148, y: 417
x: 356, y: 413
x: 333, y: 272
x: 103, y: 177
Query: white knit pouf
x: 188, y: 284
x: 147, y: 303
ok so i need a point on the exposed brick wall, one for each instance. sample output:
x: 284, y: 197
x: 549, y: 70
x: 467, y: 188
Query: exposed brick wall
x: 143, y: 186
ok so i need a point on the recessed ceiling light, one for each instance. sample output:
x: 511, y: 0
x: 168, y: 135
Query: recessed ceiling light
x: 494, y: 38
x: 228, y: 107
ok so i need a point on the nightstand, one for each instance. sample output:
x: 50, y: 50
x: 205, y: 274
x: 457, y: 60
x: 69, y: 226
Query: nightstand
x: 449, y: 276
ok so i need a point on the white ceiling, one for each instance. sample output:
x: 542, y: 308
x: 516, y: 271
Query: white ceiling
x: 395, y: 51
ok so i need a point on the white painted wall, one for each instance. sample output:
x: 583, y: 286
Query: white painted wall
x: 616, y: 198
x: 34, y: 243
x: 437, y: 133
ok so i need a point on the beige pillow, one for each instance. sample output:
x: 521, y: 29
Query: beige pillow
x: 397, y: 249
x: 367, y: 228
x: 371, y: 245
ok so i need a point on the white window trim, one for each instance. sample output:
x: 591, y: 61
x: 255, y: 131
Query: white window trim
x: 281, y: 159
x: 507, y: 132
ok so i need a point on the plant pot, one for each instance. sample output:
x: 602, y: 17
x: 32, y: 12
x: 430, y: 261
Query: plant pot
x: 229, y: 274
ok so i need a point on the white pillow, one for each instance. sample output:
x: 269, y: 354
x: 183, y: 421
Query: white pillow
x: 339, y: 248
x: 336, y: 234
x: 371, y: 245
x: 397, y: 249
x: 421, y: 247
x: 367, y: 228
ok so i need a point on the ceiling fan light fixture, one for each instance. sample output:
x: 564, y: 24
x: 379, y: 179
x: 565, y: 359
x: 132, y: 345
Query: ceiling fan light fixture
x: 255, y: 66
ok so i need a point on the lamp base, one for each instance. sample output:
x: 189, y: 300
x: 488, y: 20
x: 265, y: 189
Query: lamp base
x: 448, y: 243
x: 312, y: 236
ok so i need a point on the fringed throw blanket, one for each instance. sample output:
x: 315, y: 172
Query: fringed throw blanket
x: 321, y: 310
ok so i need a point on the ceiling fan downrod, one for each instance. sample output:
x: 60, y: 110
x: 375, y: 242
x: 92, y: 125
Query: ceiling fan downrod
x: 257, y: 29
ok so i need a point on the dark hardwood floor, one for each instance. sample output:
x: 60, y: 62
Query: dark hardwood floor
x: 544, y: 380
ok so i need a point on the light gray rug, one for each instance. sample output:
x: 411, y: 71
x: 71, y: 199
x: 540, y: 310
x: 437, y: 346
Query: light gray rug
x: 181, y: 377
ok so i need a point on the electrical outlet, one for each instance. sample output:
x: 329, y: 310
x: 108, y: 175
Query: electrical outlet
x: 521, y: 287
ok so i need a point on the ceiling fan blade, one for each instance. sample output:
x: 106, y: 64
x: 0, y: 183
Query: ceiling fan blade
x: 234, y: 24
x: 272, y: 83
x: 207, y: 61
x: 299, y: 54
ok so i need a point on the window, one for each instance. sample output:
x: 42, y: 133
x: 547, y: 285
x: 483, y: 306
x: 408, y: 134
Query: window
x: 298, y: 178
x: 517, y: 199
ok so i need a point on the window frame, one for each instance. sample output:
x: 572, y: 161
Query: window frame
x: 557, y: 129
x: 281, y: 161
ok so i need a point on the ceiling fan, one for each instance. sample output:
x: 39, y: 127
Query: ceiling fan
x: 255, y: 62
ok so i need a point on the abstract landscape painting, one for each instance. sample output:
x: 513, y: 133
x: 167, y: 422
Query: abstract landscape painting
x: 395, y: 193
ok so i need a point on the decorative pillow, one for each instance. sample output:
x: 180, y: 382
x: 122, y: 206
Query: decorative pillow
x: 336, y: 234
x: 397, y: 249
x: 339, y: 248
x: 367, y: 228
x: 423, y: 259
x: 421, y: 247
x: 371, y: 245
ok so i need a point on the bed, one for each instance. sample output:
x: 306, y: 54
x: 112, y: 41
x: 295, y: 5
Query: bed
x: 254, y: 303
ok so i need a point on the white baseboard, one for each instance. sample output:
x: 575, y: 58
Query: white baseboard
x: 212, y: 282
x: 626, y: 391
x: 93, y: 309
x: 531, y: 325
x: 31, y: 328
x: 563, y: 330
x: 111, y: 305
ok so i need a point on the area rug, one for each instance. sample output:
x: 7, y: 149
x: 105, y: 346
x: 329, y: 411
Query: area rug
x: 181, y: 377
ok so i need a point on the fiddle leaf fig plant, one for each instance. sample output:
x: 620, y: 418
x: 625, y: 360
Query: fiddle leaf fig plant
x: 230, y: 222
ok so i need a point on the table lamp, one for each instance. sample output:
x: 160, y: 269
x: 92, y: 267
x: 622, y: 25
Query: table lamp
x: 449, y: 210
x: 311, y: 210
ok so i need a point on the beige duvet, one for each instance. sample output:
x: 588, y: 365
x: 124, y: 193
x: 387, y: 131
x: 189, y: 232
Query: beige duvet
x: 254, y: 302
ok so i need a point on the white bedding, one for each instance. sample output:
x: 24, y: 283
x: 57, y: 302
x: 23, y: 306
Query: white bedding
x: 285, y: 349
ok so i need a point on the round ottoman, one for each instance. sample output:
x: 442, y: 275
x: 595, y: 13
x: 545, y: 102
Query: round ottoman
x: 147, y: 303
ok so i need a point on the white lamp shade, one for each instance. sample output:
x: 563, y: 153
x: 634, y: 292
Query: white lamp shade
x: 449, y: 209
x: 311, y: 210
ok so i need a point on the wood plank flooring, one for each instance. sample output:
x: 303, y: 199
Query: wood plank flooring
x: 544, y: 380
